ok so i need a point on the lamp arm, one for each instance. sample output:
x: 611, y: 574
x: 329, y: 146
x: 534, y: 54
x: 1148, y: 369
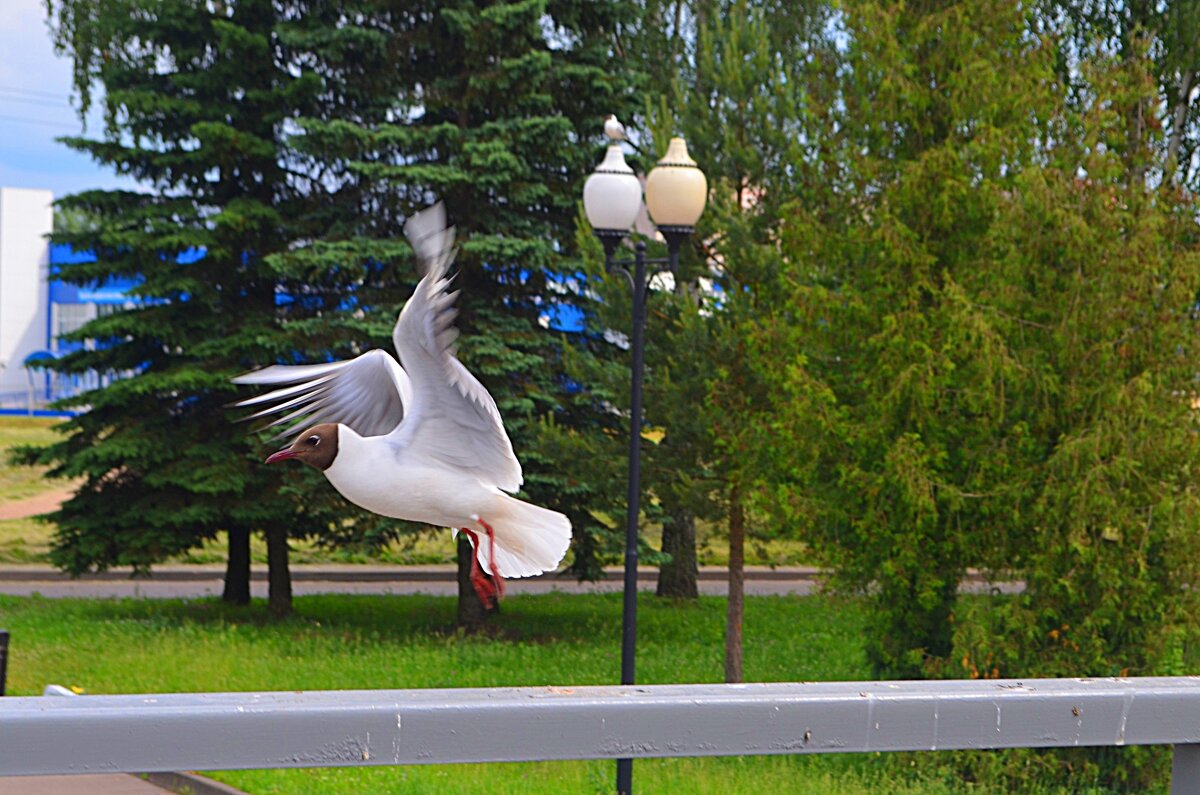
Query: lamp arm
x: 619, y: 267
x: 674, y: 237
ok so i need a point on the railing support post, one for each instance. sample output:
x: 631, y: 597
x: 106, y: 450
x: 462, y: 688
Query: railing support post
x: 3, y: 659
x: 1185, y: 769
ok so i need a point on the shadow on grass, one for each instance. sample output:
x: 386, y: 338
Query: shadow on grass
x: 542, y: 619
x: 557, y: 617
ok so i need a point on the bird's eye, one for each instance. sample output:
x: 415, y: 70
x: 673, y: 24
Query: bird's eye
x: 314, y: 440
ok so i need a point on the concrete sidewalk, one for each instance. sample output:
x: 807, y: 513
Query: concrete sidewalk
x: 189, y: 582
x: 115, y: 784
x: 112, y: 784
x: 363, y: 572
x: 181, y: 582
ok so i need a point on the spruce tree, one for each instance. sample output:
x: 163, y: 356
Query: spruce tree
x: 1004, y: 274
x: 497, y: 112
x: 198, y: 99
x: 1164, y: 35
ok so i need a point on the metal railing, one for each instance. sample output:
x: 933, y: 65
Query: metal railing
x: 222, y: 731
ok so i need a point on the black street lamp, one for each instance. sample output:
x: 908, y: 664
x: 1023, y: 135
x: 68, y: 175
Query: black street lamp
x: 676, y: 191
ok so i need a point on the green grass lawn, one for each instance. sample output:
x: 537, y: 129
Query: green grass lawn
x: 24, y: 540
x: 18, y: 482
x: 345, y: 642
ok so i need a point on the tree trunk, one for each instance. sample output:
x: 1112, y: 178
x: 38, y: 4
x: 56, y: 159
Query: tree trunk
x: 279, y: 578
x: 1178, y: 125
x: 736, y: 603
x: 677, y: 577
x: 237, y: 568
x: 472, y: 615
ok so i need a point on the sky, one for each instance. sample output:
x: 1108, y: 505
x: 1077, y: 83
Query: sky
x: 35, y: 108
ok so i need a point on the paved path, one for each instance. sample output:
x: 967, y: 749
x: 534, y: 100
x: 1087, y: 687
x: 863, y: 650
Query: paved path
x: 113, y: 784
x: 116, y: 784
x: 185, y: 582
x: 176, y: 582
x: 32, y: 506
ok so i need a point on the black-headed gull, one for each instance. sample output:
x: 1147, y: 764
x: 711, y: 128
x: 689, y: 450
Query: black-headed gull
x: 422, y: 442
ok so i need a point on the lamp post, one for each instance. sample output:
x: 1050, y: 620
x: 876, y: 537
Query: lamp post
x: 676, y: 191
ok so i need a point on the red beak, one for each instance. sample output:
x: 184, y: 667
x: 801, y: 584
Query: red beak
x: 282, y: 455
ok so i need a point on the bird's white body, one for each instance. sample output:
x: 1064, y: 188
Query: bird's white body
x: 372, y: 474
x: 614, y: 129
x: 422, y: 440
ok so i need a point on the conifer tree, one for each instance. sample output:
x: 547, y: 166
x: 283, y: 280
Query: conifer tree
x: 497, y: 111
x: 1005, y: 272
x: 198, y: 98
x: 753, y: 103
x: 1164, y: 35
x: 930, y: 462
x: 738, y: 97
x: 1103, y: 268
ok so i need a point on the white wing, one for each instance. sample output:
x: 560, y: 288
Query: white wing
x: 451, y: 418
x: 367, y: 393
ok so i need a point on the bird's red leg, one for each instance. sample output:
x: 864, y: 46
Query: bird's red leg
x: 484, y: 589
x: 497, y: 580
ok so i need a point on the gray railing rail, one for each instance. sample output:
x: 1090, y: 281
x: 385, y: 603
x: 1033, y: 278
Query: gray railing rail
x: 221, y: 731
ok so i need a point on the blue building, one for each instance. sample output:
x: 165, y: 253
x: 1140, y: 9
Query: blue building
x: 67, y: 308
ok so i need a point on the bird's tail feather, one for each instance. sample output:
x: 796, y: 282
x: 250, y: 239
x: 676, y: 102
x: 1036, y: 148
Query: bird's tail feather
x: 529, y: 539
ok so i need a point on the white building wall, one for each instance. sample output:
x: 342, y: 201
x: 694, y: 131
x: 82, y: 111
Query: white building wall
x: 26, y: 217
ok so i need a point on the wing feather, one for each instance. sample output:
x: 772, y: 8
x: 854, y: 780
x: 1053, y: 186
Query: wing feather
x: 367, y: 393
x: 451, y: 419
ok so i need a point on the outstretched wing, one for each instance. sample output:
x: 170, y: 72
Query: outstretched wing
x: 367, y: 393
x: 451, y: 418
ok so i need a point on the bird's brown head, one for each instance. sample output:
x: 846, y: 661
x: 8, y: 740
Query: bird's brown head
x: 317, y: 447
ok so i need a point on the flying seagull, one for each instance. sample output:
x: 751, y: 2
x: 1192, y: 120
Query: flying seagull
x: 423, y: 441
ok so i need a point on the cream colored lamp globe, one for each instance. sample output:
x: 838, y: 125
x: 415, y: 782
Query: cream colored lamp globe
x: 676, y: 189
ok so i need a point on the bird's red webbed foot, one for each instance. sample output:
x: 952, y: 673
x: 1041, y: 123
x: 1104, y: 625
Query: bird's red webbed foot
x: 488, y: 589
